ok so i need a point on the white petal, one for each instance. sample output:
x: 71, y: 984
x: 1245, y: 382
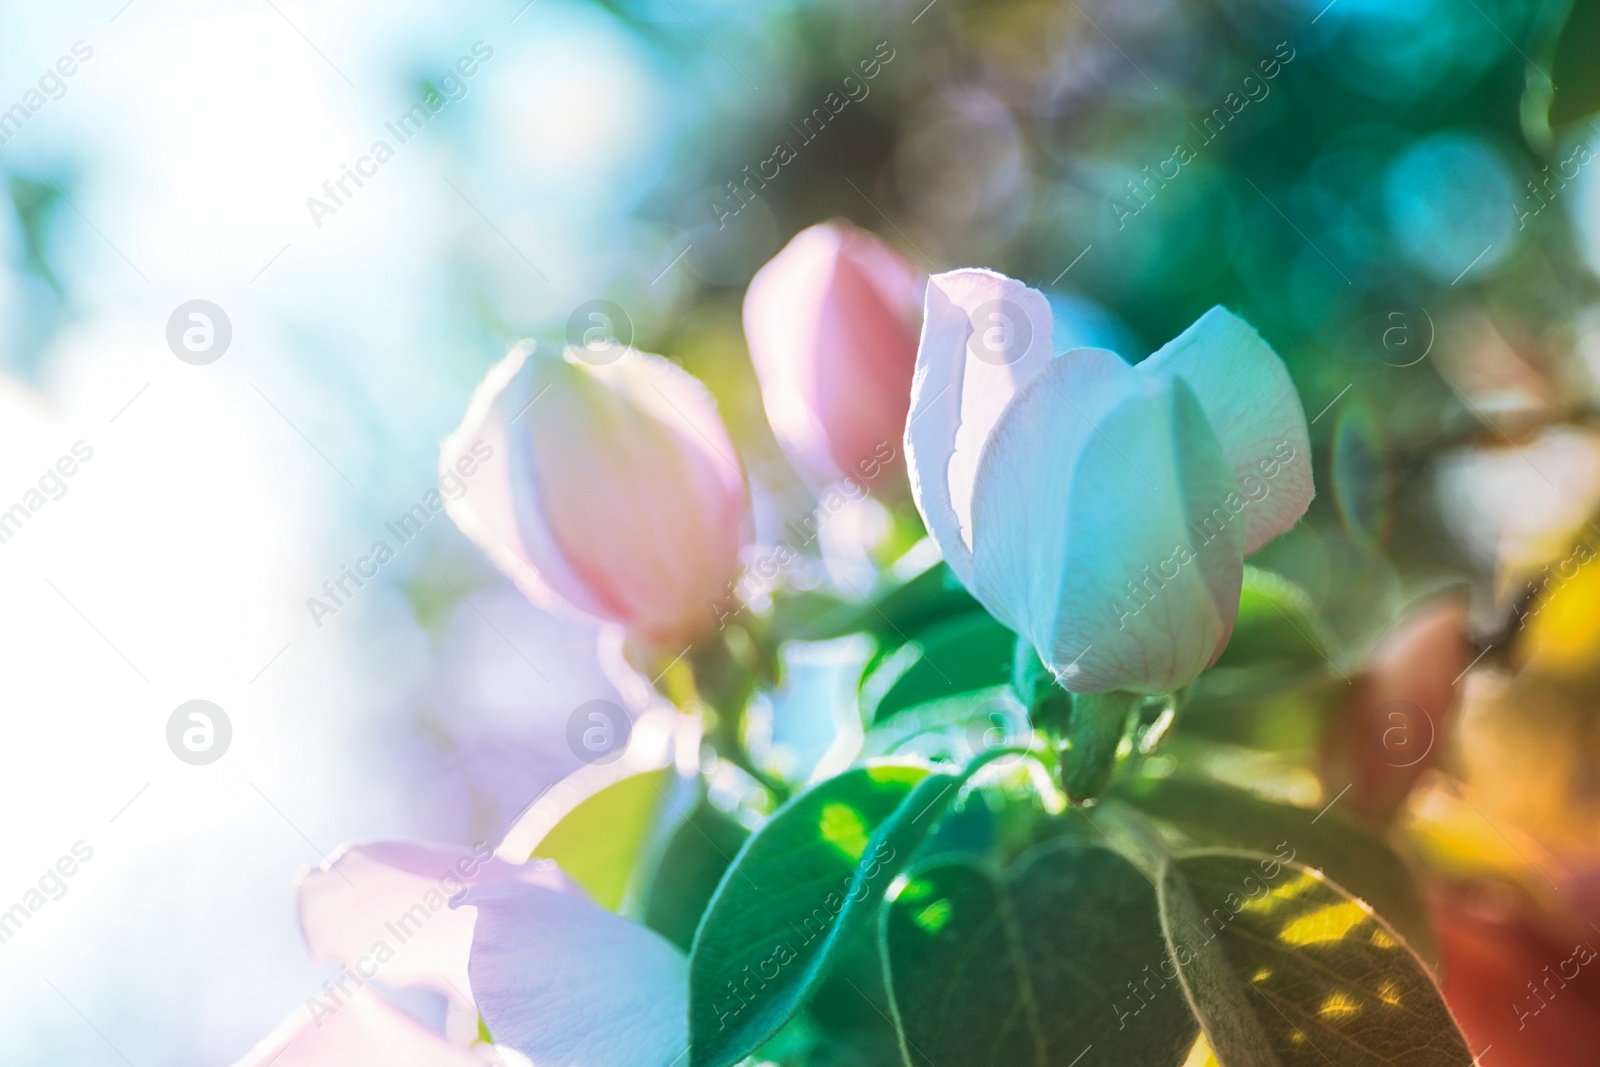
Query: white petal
x: 983, y: 336
x: 569, y: 984
x: 382, y: 910
x: 360, y: 1029
x: 1088, y: 497
x: 1018, y: 567
x: 1253, y: 407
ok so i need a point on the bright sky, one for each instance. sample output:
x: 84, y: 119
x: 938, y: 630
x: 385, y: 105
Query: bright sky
x: 217, y: 498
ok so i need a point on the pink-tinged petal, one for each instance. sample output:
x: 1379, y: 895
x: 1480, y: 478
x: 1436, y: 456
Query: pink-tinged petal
x: 613, y: 488
x: 831, y: 324
x: 642, y: 491
x: 984, y: 336
x: 565, y: 982
x: 1252, y: 404
x: 1107, y: 527
x: 487, y: 458
x: 382, y: 911
x: 360, y: 1029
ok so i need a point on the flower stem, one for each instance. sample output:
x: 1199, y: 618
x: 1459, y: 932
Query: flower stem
x: 1094, y: 733
x: 725, y: 685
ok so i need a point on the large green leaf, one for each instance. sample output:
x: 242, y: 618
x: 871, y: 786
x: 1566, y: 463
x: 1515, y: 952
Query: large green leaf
x: 1210, y: 813
x: 600, y: 842
x: 1285, y: 969
x: 794, y: 895
x: 952, y: 657
x: 696, y: 856
x: 1038, y: 966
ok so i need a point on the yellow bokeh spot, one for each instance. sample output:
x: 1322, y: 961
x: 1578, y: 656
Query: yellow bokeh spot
x: 1337, y: 1006
x: 843, y: 827
x: 1200, y: 1054
x: 1330, y: 923
x: 1563, y: 626
x: 1262, y: 975
x: 933, y: 917
x: 1381, y: 939
x: 1389, y: 993
x: 1287, y: 891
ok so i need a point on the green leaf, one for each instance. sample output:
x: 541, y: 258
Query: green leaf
x: 696, y: 856
x: 1285, y: 968
x: 894, y: 616
x: 956, y: 727
x: 600, y: 841
x: 1036, y: 966
x: 795, y: 893
x: 1213, y: 814
x: 1271, y: 706
x: 952, y: 657
x: 1277, y: 625
x: 804, y: 1042
x: 1575, y: 73
x: 807, y: 615
x: 932, y: 596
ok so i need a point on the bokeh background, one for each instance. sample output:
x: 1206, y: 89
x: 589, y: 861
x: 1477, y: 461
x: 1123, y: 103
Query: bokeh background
x: 1373, y: 183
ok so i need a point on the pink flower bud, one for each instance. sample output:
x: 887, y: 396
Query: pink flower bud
x: 609, y: 488
x: 832, y: 325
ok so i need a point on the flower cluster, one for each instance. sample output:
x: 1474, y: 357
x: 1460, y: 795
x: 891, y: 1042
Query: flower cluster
x: 605, y: 485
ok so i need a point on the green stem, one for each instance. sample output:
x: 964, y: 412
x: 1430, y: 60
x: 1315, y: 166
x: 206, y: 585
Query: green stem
x: 1094, y: 733
x: 725, y: 685
x: 725, y: 741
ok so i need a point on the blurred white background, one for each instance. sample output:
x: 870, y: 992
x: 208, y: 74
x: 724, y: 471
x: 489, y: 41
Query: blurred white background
x: 176, y: 566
